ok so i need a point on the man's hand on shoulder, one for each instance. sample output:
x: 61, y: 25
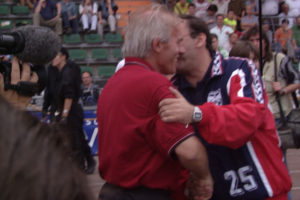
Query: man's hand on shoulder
x: 176, y: 109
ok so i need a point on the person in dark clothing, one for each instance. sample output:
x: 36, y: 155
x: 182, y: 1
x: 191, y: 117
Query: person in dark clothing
x: 62, y: 96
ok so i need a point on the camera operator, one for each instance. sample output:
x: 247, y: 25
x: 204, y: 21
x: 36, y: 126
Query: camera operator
x: 17, y: 75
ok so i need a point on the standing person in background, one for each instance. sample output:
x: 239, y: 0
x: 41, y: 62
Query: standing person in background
x: 222, y: 6
x: 210, y: 16
x: 141, y: 157
x: 69, y: 16
x: 201, y: 7
x: 288, y: 78
x: 245, y: 159
x: 64, y: 91
x: 181, y: 7
x: 107, y: 15
x: 222, y: 31
x: 88, y: 15
x: 47, y: 13
x: 90, y: 91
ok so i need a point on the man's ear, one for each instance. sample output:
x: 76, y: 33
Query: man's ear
x: 200, y: 40
x: 157, y: 45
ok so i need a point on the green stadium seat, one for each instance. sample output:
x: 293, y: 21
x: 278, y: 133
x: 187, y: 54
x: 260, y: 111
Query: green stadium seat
x: 22, y: 22
x: 78, y: 54
x: 92, y: 38
x: 72, y: 39
x: 113, y: 38
x: 106, y: 71
x: 4, y: 9
x: 20, y: 10
x: 6, y: 25
x: 99, y: 54
x: 87, y: 69
x: 117, y: 53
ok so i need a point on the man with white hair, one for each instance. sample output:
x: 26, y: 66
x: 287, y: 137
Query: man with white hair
x: 140, y: 156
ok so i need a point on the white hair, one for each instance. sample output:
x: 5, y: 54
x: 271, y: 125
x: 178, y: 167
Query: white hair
x: 153, y: 22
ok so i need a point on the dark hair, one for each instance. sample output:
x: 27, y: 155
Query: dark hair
x: 243, y: 49
x: 254, y: 30
x: 212, y: 36
x: 65, y: 52
x: 212, y: 7
x: 191, y: 5
x: 285, y: 21
x: 197, y: 26
x: 220, y: 14
x: 91, y: 75
x: 34, y: 162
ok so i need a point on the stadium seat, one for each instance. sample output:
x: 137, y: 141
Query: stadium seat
x: 117, y: 53
x: 5, y: 25
x: 20, y: 10
x: 78, y: 54
x: 113, y: 38
x: 106, y: 71
x: 99, y: 54
x: 72, y: 39
x: 92, y: 38
x: 87, y: 69
x: 4, y: 9
x: 22, y: 22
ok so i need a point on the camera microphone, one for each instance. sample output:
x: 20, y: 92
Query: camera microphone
x: 34, y: 44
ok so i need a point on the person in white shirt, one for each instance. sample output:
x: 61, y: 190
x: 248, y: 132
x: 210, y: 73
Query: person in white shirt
x: 222, y: 31
x: 201, y: 7
x: 285, y: 14
x: 88, y: 12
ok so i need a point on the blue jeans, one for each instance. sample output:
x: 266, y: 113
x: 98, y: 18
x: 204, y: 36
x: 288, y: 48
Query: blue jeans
x: 73, y: 23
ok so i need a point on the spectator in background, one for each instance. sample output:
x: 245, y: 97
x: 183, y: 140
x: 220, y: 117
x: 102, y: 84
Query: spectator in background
x: 222, y: 6
x: 294, y: 7
x: 107, y: 15
x: 237, y: 7
x: 181, y: 7
x: 69, y: 16
x: 192, y: 9
x: 30, y: 3
x: 288, y: 79
x: 201, y: 7
x: 90, y: 91
x: 215, y: 45
x: 47, y: 13
x: 283, y: 35
x: 233, y: 38
x: 285, y: 14
x: 249, y: 19
x: 230, y: 20
x: 210, y: 16
x: 296, y: 36
x: 254, y: 6
x: 270, y: 7
x: 266, y: 29
x: 88, y: 15
x: 222, y: 31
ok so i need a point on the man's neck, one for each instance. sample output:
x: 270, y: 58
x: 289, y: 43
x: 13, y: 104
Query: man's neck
x: 202, y: 64
x: 61, y: 65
